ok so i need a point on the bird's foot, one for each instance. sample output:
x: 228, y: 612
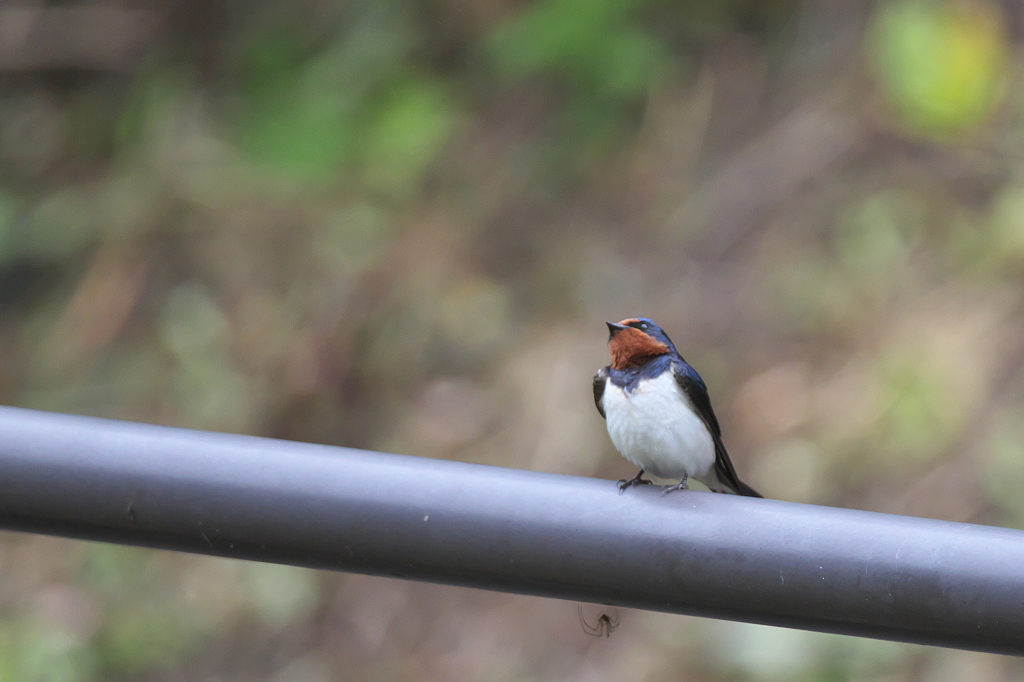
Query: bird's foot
x: 636, y: 480
x: 678, y: 486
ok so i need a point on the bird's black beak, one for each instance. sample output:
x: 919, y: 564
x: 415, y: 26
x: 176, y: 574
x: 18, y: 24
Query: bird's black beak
x: 614, y: 328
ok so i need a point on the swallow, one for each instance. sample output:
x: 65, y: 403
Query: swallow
x: 658, y: 412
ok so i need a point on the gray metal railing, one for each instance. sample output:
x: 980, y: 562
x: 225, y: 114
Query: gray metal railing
x: 760, y: 561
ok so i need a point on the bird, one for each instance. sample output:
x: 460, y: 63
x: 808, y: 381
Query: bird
x: 658, y: 412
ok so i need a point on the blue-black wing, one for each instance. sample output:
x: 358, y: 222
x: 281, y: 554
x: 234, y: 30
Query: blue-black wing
x: 695, y: 389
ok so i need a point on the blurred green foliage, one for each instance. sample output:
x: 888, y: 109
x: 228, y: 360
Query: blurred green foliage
x: 356, y: 105
x: 1003, y: 465
x: 944, y: 64
x: 920, y: 411
x: 599, y: 47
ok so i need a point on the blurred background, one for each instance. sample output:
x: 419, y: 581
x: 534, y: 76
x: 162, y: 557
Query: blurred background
x: 401, y: 226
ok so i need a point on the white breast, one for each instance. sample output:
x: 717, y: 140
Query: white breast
x: 655, y: 428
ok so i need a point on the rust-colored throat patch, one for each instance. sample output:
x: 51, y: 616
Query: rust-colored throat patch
x: 631, y: 347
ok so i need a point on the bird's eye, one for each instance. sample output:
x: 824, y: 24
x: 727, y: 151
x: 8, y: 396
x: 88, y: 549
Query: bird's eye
x: 643, y: 325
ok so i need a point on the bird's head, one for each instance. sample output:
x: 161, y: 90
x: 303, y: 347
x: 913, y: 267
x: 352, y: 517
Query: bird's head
x: 636, y: 340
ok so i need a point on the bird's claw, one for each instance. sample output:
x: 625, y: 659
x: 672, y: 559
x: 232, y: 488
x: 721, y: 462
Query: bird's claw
x: 636, y: 480
x: 678, y: 486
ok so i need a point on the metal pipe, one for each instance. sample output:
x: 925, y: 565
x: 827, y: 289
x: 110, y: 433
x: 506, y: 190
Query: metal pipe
x: 720, y: 556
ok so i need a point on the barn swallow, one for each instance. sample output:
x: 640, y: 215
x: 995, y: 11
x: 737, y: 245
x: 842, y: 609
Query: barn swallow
x: 658, y: 411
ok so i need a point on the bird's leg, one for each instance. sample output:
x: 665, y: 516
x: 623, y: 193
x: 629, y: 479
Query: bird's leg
x: 636, y: 480
x: 678, y: 486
